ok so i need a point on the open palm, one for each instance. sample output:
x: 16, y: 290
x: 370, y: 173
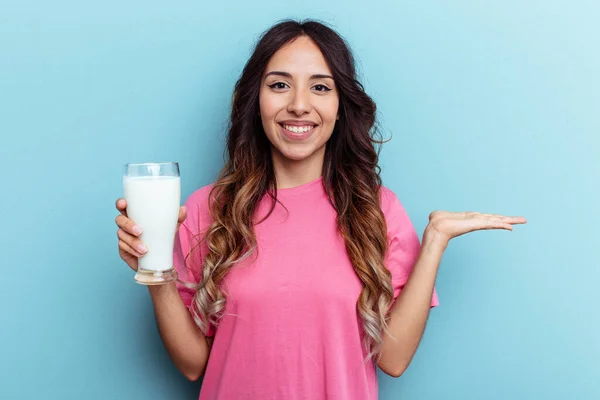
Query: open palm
x: 447, y: 225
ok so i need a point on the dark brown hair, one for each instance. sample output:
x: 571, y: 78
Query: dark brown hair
x: 350, y: 177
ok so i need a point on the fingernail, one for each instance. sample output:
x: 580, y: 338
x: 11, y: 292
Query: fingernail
x: 142, y: 248
x: 137, y: 230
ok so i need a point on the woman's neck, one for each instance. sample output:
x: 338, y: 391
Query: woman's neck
x: 292, y: 173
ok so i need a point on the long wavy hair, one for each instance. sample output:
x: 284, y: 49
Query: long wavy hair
x: 350, y: 177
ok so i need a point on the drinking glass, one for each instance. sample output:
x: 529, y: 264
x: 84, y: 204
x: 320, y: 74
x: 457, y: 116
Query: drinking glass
x: 153, y: 195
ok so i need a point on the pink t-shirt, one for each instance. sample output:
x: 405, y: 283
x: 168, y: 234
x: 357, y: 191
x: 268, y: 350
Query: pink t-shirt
x: 291, y: 329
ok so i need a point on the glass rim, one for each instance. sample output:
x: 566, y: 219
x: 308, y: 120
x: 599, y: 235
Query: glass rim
x: 151, y: 163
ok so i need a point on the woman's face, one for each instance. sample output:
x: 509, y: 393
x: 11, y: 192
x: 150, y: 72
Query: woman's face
x: 298, y: 102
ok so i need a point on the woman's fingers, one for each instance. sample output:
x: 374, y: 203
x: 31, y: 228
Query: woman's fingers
x: 515, y: 220
x: 497, y: 217
x: 134, y: 243
x: 506, y: 219
x: 121, y: 205
x: 127, y: 248
x: 128, y: 225
x: 483, y: 223
x: 182, y: 214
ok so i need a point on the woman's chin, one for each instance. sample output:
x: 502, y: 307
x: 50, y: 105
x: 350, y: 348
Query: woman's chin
x: 297, y: 155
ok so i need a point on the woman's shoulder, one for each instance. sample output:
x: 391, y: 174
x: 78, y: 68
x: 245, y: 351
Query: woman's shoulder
x: 198, y: 205
x: 388, y: 199
x: 392, y: 207
x: 200, y: 195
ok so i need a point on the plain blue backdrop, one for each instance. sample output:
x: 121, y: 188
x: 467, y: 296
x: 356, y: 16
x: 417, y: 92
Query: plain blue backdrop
x: 492, y: 107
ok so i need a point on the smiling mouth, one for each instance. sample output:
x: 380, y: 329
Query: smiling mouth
x: 298, y: 130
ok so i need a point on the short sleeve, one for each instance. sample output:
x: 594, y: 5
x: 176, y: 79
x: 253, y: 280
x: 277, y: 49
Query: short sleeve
x: 189, y: 247
x: 403, y: 243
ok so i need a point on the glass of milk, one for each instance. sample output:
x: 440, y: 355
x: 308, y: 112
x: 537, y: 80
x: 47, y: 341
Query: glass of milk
x: 153, y: 194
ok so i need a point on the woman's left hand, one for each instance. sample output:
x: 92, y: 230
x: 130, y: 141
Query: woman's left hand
x: 445, y: 225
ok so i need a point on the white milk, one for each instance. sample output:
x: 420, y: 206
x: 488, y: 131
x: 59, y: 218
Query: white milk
x: 153, y: 203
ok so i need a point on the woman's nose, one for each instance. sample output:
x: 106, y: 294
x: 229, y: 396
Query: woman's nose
x: 299, y: 103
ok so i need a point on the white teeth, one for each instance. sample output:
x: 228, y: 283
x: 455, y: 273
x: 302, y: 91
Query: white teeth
x: 298, y: 129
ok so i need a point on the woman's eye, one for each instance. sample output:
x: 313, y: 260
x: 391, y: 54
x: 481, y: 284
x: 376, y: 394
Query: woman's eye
x: 277, y: 85
x: 322, y: 88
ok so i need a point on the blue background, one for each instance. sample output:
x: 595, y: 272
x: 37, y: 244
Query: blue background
x: 493, y: 107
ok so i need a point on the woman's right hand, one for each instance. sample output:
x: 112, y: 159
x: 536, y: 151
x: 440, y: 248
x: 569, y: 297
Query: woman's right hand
x: 130, y: 246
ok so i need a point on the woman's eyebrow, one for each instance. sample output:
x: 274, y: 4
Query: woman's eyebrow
x: 288, y: 75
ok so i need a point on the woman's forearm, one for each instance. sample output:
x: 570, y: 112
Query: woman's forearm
x: 185, y: 343
x: 410, y: 311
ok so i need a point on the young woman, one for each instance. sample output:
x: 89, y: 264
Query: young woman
x: 299, y: 272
